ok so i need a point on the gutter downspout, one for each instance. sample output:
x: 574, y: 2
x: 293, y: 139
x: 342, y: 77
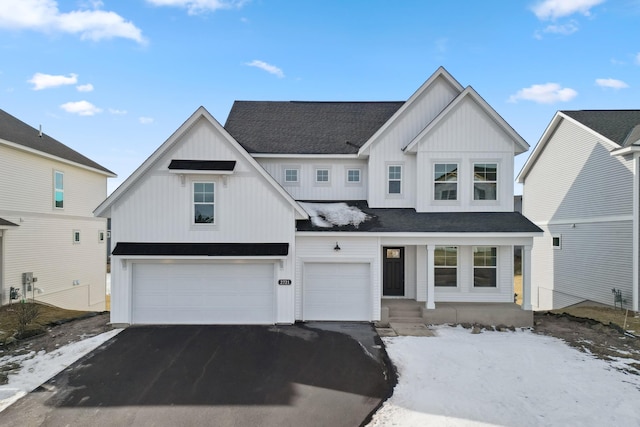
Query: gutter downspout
x: 636, y: 234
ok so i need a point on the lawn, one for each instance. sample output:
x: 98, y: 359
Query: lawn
x: 45, y: 315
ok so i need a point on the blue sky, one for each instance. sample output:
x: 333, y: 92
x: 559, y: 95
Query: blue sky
x: 114, y: 79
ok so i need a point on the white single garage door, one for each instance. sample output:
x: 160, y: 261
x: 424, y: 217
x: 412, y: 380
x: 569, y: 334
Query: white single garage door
x: 196, y: 293
x: 337, y: 291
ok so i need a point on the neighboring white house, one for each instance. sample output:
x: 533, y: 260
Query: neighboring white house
x: 581, y: 186
x: 319, y: 211
x: 47, y: 229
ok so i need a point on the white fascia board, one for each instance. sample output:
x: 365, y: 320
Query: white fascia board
x: 440, y: 72
x: 626, y: 150
x: 199, y: 172
x: 333, y: 234
x: 303, y: 156
x: 56, y: 158
x: 488, y: 109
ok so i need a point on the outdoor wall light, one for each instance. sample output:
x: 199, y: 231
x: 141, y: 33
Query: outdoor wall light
x: 336, y: 247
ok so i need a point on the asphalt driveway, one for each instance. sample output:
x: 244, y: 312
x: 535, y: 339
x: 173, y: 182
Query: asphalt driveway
x: 302, y: 375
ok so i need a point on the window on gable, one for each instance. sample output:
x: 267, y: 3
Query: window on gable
x: 445, y: 181
x: 291, y: 175
x: 446, y: 266
x: 353, y: 176
x: 76, y: 236
x: 485, y: 267
x: 203, y: 202
x: 394, y: 179
x: 485, y: 181
x: 58, y: 189
x: 556, y: 242
x: 322, y: 175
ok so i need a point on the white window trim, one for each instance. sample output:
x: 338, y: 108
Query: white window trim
x: 434, y: 182
x: 473, y: 181
x: 559, y: 237
x: 193, y: 204
x: 346, y: 176
x: 473, y: 273
x: 388, y: 180
x: 101, y: 233
x: 322, y: 168
x: 457, y: 286
x: 55, y: 189
x: 284, y: 175
x: 73, y: 237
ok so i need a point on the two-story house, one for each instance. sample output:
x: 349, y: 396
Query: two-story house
x: 52, y: 247
x: 297, y: 211
x: 582, y: 187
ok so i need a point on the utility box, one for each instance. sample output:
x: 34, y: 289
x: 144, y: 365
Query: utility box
x: 28, y: 280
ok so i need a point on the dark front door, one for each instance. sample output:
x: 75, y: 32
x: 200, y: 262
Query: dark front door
x: 393, y: 271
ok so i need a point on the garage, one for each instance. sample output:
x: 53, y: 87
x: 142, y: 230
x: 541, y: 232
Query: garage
x: 337, y: 291
x: 203, y: 293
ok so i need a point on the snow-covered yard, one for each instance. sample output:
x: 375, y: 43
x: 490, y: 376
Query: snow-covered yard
x: 504, y: 379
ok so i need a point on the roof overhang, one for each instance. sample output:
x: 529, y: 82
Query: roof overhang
x: 5, y: 225
x: 144, y: 250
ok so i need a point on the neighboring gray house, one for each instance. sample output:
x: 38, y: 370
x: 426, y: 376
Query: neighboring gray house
x: 582, y: 187
x: 298, y: 211
x: 47, y: 229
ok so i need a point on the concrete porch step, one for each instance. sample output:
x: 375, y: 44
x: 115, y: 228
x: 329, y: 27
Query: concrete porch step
x: 409, y: 319
x: 405, y: 313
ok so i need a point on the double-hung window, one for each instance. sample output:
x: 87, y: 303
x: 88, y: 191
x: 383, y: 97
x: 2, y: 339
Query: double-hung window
x: 485, y: 181
x: 445, y: 181
x: 485, y: 266
x: 394, y: 179
x: 203, y: 203
x: 58, y: 189
x: 446, y: 266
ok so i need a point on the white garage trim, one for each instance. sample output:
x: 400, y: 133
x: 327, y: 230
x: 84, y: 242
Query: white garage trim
x: 334, y: 290
x: 192, y: 292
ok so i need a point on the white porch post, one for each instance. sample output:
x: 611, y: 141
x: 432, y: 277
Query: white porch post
x: 431, y: 291
x: 526, y: 277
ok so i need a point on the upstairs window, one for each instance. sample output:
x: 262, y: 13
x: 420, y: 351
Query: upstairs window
x: 58, y: 190
x: 353, y: 176
x: 485, y: 267
x: 322, y: 175
x: 394, y: 179
x: 203, y: 203
x: 291, y: 175
x: 485, y: 181
x: 446, y: 266
x: 445, y: 181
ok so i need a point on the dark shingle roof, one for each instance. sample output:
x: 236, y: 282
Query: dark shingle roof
x: 7, y: 223
x: 202, y: 249
x: 18, y: 132
x: 398, y: 220
x: 615, y: 125
x: 203, y: 165
x: 297, y: 127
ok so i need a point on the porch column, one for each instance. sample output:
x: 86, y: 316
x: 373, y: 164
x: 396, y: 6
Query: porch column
x: 431, y: 290
x: 526, y: 277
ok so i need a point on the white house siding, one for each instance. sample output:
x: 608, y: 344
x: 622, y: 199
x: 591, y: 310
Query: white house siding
x: 576, y: 181
x: 158, y: 208
x: 43, y: 242
x: 307, y: 189
x: 592, y: 260
x: 353, y: 249
x: 387, y: 148
x: 467, y: 136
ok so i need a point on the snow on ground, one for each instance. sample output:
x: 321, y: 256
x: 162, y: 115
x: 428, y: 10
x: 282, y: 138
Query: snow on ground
x: 37, y: 368
x: 504, y: 379
x: 329, y: 214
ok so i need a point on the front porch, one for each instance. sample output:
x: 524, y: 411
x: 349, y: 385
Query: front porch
x: 483, y: 313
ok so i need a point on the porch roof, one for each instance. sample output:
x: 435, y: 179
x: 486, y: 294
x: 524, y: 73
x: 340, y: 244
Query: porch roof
x: 7, y: 223
x: 406, y: 220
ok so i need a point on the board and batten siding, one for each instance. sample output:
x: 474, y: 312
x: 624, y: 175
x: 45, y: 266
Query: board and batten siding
x: 308, y: 189
x: 593, y: 259
x: 387, y: 149
x: 69, y: 275
x: 352, y: 250
x: 468, y: 136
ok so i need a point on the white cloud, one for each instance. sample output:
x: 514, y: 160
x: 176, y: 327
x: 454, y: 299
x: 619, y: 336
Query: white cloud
x: 81, y: 108
x: 638, y: 58
x: 117, y: 112
x: 547, y: 93
x: 145, y: 120
x: 272, y: 69
x: 43, y: 15
x: 553, y: 9
x: 564, y: 29
x: 85, y: 88
x: 195, y: 7
x: 44, y: 81
x: 611, y: 83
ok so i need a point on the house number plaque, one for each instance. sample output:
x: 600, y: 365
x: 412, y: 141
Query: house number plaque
x: 284, y: 282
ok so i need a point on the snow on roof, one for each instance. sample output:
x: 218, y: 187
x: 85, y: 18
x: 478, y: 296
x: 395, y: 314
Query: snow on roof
x: 329, y: 214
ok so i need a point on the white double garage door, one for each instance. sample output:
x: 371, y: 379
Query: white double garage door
x: 244, y: 293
